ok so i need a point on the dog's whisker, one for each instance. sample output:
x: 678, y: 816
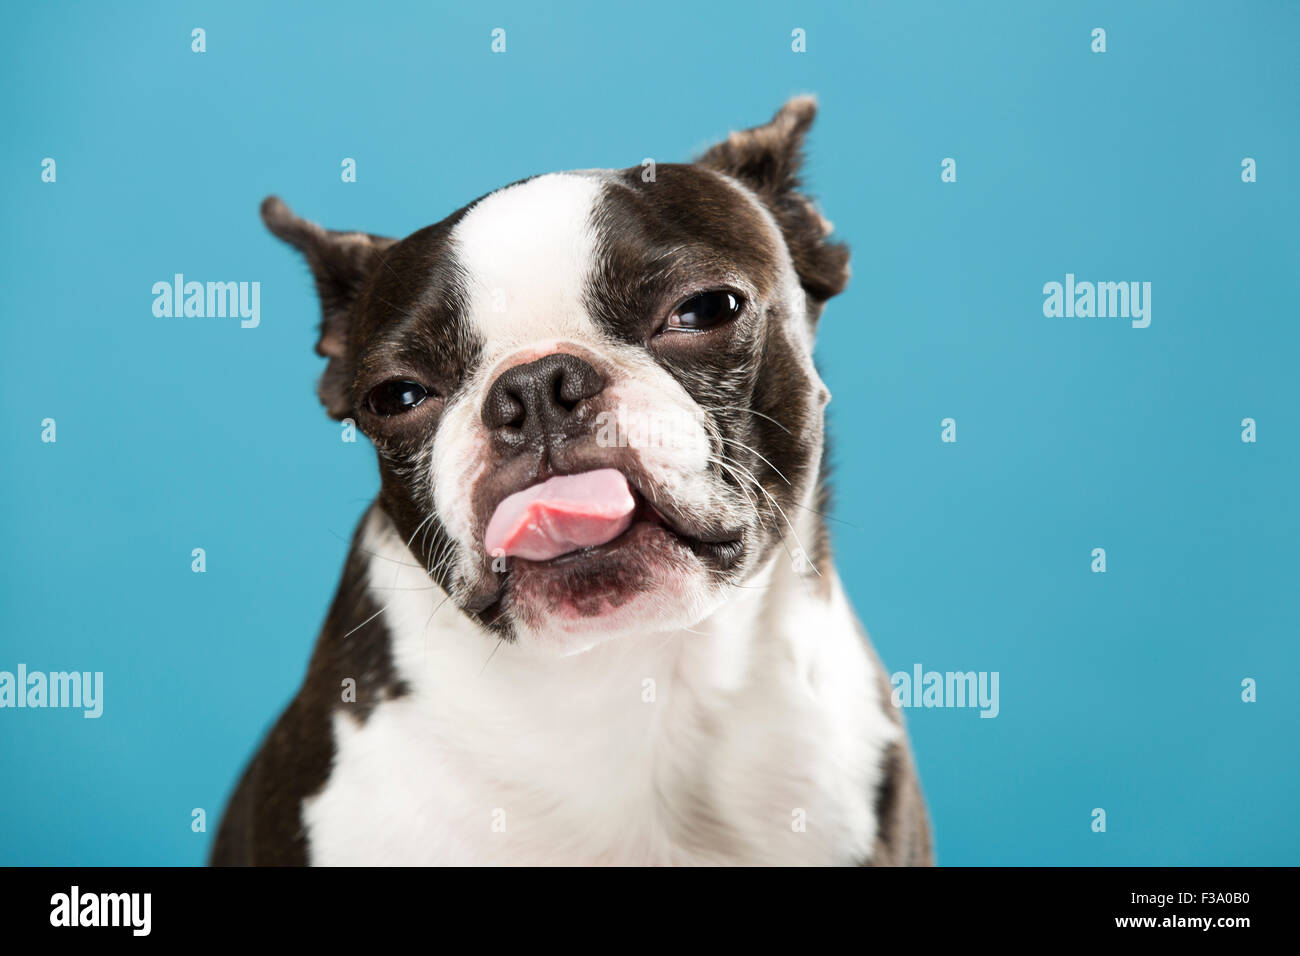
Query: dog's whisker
x: 428, y: 518
x: 737, y: 584
x: 443, y: 559
x: 739, y: 481
x: 788, y: 523
x: 432, y: 613
x: 741, y: 408
x: 367, y: 621
x: 405, y: 313
x: 803, y: 507
x: 383, y: 261
x: 749, y: 448
x: 375, y: 554
x: 500, y: 641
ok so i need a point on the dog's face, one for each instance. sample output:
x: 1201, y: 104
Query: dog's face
x: 592, y: 393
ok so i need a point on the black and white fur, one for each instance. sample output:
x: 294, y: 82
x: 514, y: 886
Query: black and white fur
x: 698, y: 691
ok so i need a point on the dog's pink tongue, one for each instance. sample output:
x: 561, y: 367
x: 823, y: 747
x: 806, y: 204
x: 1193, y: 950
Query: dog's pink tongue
x: 560, y: 515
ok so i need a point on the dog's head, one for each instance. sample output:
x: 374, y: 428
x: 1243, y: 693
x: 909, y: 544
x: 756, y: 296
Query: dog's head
x: 592, y: 393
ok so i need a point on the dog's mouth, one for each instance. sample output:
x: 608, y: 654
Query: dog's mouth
x: 583, y: 546
x: 593, y: 515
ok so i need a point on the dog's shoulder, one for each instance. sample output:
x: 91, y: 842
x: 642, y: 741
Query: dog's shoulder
x: 351, y: 669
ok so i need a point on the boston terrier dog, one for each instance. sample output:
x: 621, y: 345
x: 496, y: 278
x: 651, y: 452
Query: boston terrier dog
x: 592, y: 615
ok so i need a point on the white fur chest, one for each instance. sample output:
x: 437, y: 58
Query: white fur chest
x: 750, y: 740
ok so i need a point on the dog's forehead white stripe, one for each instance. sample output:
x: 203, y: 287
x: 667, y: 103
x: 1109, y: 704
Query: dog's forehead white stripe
x: 527, y: 251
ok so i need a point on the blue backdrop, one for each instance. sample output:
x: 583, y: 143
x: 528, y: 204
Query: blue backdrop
x: 1119, y: 690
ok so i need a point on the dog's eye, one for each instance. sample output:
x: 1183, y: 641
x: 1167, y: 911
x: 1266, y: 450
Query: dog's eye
x: 393, y: 398
x: 704, y: 311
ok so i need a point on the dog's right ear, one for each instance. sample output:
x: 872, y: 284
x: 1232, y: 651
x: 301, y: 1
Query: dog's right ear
x: 340, y: 262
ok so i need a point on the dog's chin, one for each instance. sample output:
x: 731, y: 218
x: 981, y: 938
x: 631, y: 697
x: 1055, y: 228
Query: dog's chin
x: 648, y: 580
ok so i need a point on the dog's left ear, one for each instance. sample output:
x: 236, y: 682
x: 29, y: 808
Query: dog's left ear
x: 340, y: 262
x: 767, y: 160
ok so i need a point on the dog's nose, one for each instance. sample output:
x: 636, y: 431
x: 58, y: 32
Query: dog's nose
x: 540, y: 397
